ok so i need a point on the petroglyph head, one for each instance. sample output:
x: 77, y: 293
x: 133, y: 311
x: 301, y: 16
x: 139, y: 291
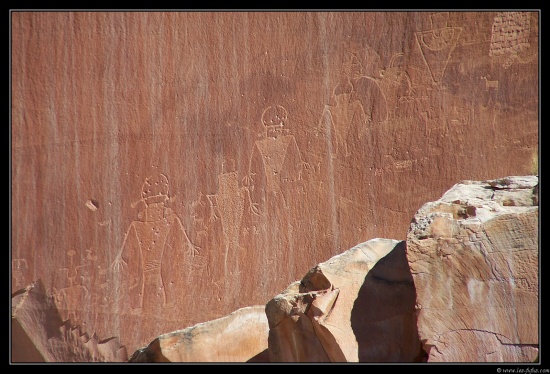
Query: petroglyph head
x: 155, y: 189
x: 343, y: 91
x: 273, y: 119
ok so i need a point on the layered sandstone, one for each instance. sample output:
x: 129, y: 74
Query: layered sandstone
x: 474, y: 257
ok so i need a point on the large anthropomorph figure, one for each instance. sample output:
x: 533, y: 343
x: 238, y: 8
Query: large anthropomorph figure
x: 157, y: 256
x: 276, y: 162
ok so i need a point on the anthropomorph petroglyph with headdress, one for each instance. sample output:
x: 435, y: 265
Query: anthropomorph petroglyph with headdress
x: 280, y: 157
x: 156, y: 256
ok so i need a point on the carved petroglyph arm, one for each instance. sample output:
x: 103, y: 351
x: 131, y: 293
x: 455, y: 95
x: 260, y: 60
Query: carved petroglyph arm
x: 213, y: 215
x: 119, y: 263
x: 192, y: 249
x: 248, y: 182
x: 364, y: 120
x: 252, y: 206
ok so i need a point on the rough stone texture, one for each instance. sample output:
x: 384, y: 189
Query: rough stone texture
x: 39, y: 335
x: 203, y: 161
x: 474, y: 257
x: 238, y: 337
x: 356, y: 307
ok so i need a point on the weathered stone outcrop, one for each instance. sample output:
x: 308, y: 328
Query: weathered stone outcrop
x: 473, y: 255
x: 239, y: 337
x: 356, y: 307
x: 39, y: 334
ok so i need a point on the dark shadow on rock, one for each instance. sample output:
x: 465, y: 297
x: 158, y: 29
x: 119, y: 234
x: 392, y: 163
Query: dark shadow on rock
x: 383, y: 317
x: 23, y: 348
x: 263, y: 356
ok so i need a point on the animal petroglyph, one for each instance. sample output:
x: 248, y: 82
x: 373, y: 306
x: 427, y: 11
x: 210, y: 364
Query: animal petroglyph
x: 433, y: 119
x: 156, y: 254
x: 490, y: 83
x: 514, y: 58
x: 437, y: 44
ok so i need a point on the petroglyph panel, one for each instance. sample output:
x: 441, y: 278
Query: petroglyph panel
x: 202, y: 161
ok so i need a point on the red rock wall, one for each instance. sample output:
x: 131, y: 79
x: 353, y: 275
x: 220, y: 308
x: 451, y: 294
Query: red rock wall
x: 169, y: 168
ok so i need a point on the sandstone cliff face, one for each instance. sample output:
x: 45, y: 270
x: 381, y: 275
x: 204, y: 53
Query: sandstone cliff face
x: 203, y: 161
x: 474, y: 258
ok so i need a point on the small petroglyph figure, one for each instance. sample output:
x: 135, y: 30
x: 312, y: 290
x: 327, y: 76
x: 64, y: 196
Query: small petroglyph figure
x: 73, y: 299
x: 395, y: 83
x: 156, y: 255
x: 489, y: 84
x: 73, y: 287
x: 459, y: 116
x: 19, y: 269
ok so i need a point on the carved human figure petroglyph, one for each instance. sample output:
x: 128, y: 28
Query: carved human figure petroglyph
x: 199, y: 225
x: 229, y: 202
x: 395, y: 83
x: 342, y: 116
x: 72, y: 299
x: 73, y: 286
x: 156, y: 254
x: 279, y: 154
x: 437, y: 44
x: 352, y: 95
